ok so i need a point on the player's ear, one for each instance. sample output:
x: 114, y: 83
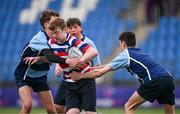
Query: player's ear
x: 123, y: 43
x: 81, y: 29
x: 65, y: 29
x: 46, y: 25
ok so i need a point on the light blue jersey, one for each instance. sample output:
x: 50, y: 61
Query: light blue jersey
x: 96, y: 60
x: 38, y: 43
x: 121, y: 61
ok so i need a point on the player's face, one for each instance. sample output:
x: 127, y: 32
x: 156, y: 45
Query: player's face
x: 59, y: 35
x: 75, y: 30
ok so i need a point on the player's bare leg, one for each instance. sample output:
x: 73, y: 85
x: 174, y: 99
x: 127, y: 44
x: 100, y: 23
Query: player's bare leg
x: 26, y: 99
x: 47, y: 101
x: 134, y: 101
x: 169, y: 109
x: 73, y: 111
x: 60, y: 109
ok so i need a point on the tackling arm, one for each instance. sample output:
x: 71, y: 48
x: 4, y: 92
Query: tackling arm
x: 49, y: 56
x: 95, y: 73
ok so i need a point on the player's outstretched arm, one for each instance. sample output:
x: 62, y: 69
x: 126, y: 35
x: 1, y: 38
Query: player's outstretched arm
x: 75, y: 63
x: 32, y: 60
x: 95, y: 73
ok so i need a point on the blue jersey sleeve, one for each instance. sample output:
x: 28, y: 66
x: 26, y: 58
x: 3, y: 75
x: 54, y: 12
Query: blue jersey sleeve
x: 39, y: 42
x: 121, y: 61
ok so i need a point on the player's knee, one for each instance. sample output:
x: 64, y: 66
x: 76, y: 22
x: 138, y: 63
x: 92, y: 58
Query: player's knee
x: 50, y: 109
x: 73, y: 111
x: 127, y: 106
x: 60, y: 109
x: 27, y: 106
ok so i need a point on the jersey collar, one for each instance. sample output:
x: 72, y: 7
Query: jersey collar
x: 46, y: 35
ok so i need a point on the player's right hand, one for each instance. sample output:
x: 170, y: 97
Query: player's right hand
x: 31, y: 60
x: 75, y: 63
x: 58, y: 70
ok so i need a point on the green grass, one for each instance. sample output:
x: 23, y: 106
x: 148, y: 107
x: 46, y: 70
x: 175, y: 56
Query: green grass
x: 100, y: 111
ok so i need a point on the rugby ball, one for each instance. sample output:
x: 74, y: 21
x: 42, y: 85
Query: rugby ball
x: 74, y: 52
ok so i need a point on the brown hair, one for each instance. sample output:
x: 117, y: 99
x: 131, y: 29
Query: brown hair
x: 129, y: 38
x: 73, y: 21
x: 46, y: 16
x: 57, y: 23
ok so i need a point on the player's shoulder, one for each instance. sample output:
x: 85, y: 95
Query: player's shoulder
x: 39, y: 36
x: 69, y: 38
x: 88, y: 40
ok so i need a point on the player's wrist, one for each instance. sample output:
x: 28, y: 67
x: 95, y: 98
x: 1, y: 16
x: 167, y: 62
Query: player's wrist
x: 67, y: 61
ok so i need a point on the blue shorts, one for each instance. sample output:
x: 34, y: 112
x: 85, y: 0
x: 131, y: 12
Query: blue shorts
x: 160, y: 89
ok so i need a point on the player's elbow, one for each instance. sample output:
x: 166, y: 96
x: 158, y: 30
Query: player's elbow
x: 50, y: 59
x: 94, y: 52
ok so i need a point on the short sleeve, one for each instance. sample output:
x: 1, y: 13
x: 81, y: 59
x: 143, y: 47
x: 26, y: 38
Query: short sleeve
x: 95, y: 60
x: 39, y: 42
x: 121, y: 61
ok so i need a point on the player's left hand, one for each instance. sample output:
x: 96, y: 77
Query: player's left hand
x: 76, y: 76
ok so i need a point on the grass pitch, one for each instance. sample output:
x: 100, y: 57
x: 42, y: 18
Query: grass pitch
x: 100, y: 111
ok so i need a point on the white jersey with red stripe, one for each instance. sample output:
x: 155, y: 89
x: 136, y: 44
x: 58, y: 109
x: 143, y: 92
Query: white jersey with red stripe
x: 61, y: 50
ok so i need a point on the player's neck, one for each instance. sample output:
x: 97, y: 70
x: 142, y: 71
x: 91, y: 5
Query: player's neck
x: 80, y: 36
x: 47, y: 32
x: 61, y: 41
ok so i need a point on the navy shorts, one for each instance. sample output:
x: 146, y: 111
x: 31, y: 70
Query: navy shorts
x: 37, y: 84
x: 81, y: 95
x: 160, y: 89
x: 61, y: 94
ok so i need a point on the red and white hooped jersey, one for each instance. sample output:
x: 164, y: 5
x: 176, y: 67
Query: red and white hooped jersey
x: 61, y: 50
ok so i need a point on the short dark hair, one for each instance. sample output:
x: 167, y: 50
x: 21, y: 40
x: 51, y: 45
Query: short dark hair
x: 57, y: 23
x: 46, y: 16
x: 73, y: 21
x: 129, y: 38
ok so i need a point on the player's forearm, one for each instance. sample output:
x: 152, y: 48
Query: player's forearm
x: 51, y: 57
x: 92, y: 74
x: 97, y: 72
x: 89, y: 54
x: 43, y: 59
